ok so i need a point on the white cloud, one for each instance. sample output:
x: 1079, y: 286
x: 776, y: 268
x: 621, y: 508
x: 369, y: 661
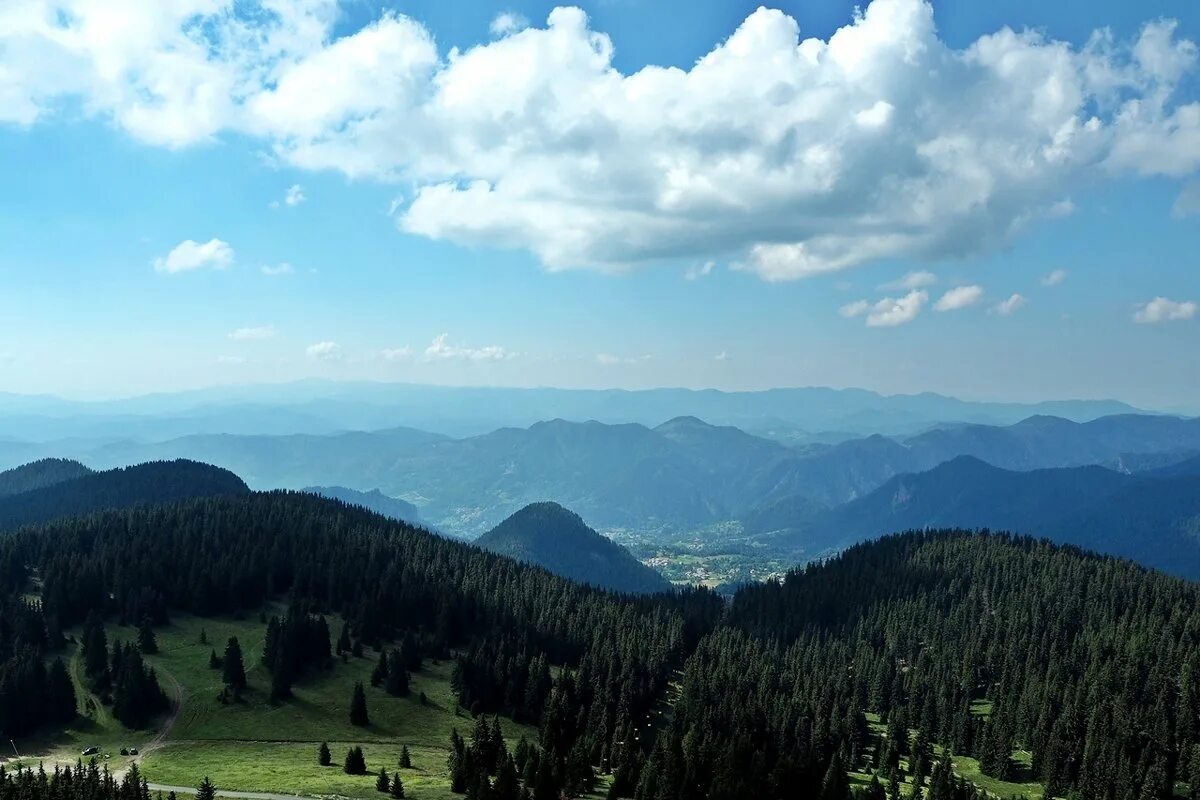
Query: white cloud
x: 396, y: 353
x: 275, y: 270
x: 857, y: 308
x: 959, y: 297
x: 191, y: 255
x: 721, y: 356
x: 1007, y: 307
x: 440, y: 349
x: 255, y: 334
x: 787, y: 157
x: 506, y: 23
x: 699, y: 270
x: 890, y: 311
x: 912, y: 280
x: 609, y: 360
x: 1160, y: 309
x: 1055, y: 278
x: 295, y: 195
x: 324, y: 351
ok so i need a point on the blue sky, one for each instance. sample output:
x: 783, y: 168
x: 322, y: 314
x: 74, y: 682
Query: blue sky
x: 599, y: 255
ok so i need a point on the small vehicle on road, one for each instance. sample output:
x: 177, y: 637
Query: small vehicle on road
x: 91, y: 751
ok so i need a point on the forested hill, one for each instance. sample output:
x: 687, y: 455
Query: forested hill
x: 985, y: 645
x: 144, y: 484
x: 553, y: 537
x: 40, y: 474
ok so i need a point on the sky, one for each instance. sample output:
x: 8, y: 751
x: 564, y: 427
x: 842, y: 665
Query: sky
x: 994, y: 201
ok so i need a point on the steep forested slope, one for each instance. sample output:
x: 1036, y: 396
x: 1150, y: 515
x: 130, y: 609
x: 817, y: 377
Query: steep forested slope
x: 143, y: 484
x: 1092, y: 664
x: 39, y: 474
x: 550, y: 536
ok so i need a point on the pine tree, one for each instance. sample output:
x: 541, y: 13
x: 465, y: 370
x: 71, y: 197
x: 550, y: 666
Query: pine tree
x: 358, y: 707
x: 383, y: 783
x: 381, y: 669
x: 405, y: 758
x: 147, y: 643
x: 356, y: 762
x: 61, y: 700
x: 234, y: 675
x: 397, y: 676
x: 324, y: 758
x: 213, y: 661
x: 206, y: 790
x: 836, y: 785
x: 397, y: 787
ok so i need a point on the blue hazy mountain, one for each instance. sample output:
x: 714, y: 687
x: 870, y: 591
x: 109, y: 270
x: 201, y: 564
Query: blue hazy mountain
x: 374, y: 500
x: 682, y: 474
x: 323, y: 407
x: 40, y: 474
x: 1152, y: 518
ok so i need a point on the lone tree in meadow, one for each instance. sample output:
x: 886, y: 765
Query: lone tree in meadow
x: 234, y: 675
x: 206, y: 790
x: 323, y: 756
x: 358, y: 707
x: 383, y: 783
x: 405, y: 758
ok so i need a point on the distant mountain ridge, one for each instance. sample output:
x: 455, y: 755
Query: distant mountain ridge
x: 374, y: 500
x: 1150, y: 518
x: 327, y: 407
x: 683, y: 474
x: 143, y: 484
x: 550, y: 536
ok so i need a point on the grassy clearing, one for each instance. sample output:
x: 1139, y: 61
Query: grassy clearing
x: 254, y: 746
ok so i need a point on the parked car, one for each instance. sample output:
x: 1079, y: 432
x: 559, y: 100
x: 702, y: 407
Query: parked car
x: 91, y: 751
x: 133, y: 751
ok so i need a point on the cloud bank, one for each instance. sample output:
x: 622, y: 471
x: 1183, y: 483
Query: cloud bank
x: 786, y: 156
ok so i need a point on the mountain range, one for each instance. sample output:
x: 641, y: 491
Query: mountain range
x: 792, y: 415
x: 1151, y: 517
x: 680, y: 475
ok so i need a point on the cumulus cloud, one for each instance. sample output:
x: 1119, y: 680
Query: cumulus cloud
x: 891, y: 311
x: 1010, y: 306
x: 507, y: 22
x: 324, y: 351
x: 788, y: 157
x: 441, y: 349
x: 959, y: 297
x: 855, y: 309
x: 1161, y: 309
x: 1055, y: 278
x: 190, y: 255
x: 294, y: 196
x: 275, y: 270
x: 255, y: 334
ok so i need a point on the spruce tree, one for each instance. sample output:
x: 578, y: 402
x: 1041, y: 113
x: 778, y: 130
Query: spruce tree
x: 397, y: 787
x: 324, y: 758
x: 381, y: 669
x: 405, y: 758
x: 206, y: 790
x: 234, y: 675
x: 358, y: 707
x: 356, y: 762
x: 383, y: 783
x: 147, y: 643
